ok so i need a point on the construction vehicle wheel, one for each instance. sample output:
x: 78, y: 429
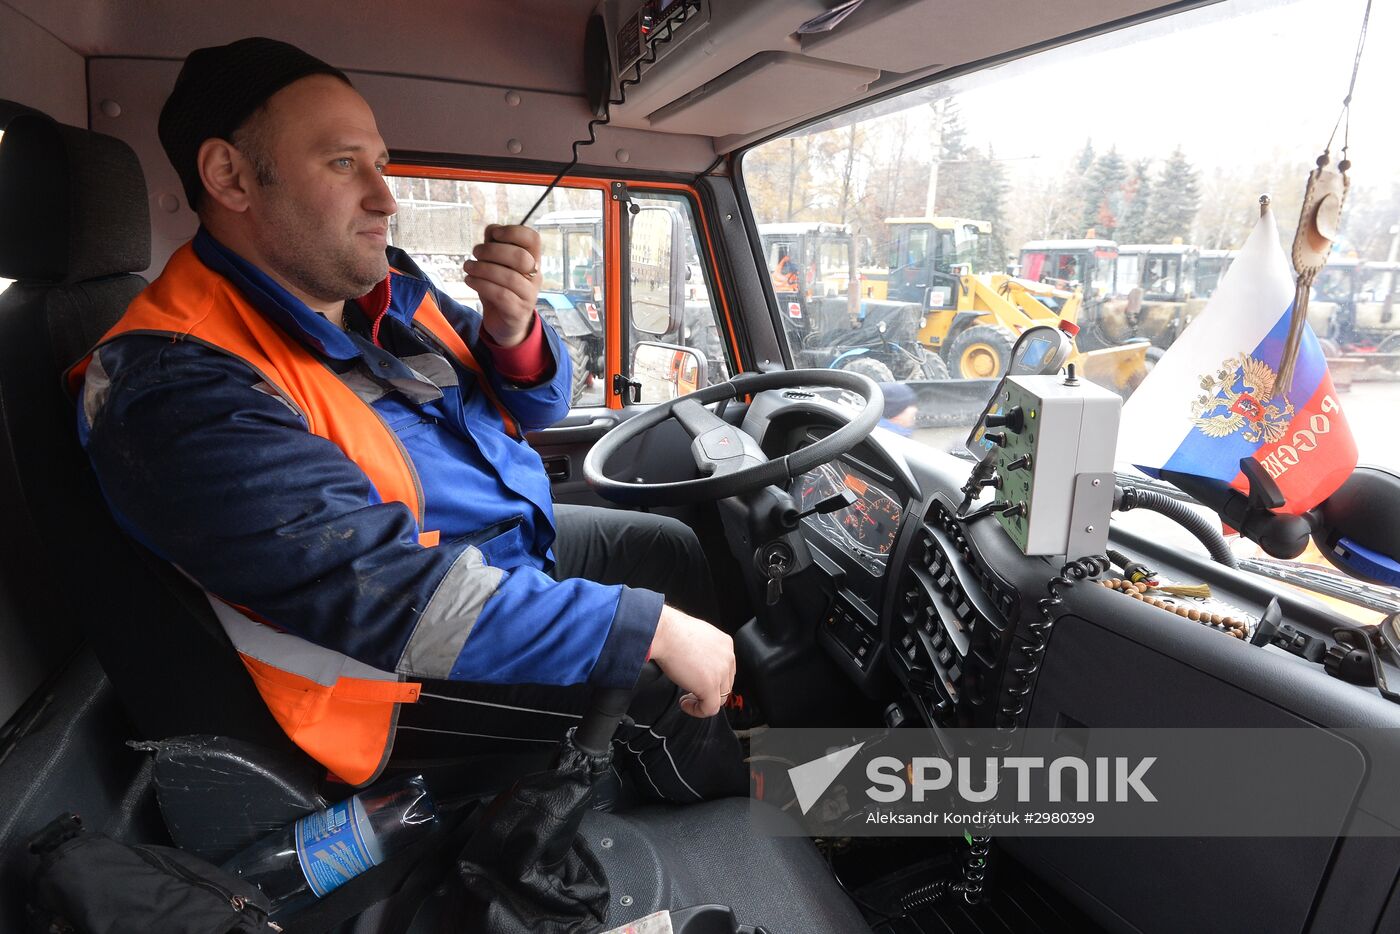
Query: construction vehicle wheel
x: 581, y: 374
x: 865, y: 366
x: 981, y: 352
x: 929, y: 366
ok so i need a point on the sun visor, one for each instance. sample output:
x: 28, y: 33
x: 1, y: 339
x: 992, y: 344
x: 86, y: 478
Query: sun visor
x: 764, y: 90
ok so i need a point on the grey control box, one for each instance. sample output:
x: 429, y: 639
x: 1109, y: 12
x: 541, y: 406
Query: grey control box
x: 1055, y: 460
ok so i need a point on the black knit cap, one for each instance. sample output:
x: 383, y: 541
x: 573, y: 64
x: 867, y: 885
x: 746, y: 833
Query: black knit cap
x: 219, y: 88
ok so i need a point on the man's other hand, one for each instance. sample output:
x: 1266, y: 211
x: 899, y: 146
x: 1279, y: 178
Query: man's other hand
x: 504, y: 271
x: 698, y: 657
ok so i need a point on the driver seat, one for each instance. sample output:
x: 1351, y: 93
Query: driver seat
x: 74, y: 234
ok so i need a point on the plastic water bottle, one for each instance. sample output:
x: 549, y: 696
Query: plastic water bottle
x: 322, y: 851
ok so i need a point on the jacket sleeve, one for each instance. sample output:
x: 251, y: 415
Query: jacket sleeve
x: 535, y: 406
x: 214, y: 472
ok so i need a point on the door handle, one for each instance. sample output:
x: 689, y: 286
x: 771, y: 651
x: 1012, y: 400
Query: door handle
x: 557, y: 468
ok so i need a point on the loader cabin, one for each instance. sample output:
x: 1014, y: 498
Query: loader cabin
x: 922, y: 602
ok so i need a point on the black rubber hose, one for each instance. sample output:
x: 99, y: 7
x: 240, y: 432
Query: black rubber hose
x: 1131, y: 497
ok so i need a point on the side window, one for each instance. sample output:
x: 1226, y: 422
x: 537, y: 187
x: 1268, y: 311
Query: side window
x: 675, y: 341
x: 947, y: 251
x: 440, y: 220
x: 915, y: 255
x: 1161, y: 275
x: 1129, y: 274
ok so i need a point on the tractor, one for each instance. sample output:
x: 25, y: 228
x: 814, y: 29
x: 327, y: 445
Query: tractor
x: 1352, y: 307
x: 972, y: 320
x: 1160, y: 285
x: 831, y: 325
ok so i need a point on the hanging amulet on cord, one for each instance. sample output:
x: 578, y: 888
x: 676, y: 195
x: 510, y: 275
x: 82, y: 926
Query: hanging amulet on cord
x: 1319, y: 222
x: 1318, y: 226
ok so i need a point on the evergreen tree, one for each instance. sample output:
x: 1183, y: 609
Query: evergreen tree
x: 1137, y: 196
x: 1070, y: 194
x: 955, y: 176
x: 989, y: 204
x: 1086, y: 158
x: 1103, y: 194
x: 1176, y: 197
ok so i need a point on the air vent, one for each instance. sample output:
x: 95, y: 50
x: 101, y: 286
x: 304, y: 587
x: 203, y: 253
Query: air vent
x: 798, y: 394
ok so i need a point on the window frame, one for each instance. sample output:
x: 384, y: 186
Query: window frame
x: 705, y: 247
x: 613, y: 191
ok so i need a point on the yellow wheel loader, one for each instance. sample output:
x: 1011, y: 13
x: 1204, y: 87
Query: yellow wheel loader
x: 973, y: 319
x: 990, y: 311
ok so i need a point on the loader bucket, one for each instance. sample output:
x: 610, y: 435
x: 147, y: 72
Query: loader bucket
x: 1118, y: 368
x: 947, y: 403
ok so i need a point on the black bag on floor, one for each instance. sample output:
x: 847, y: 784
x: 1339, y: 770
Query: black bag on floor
x: 87, y: 883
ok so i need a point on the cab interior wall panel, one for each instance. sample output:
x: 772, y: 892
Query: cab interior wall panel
x: 39, y: 70
x: 766, y: 89
x: 907, y: 35
x: 138, y: 88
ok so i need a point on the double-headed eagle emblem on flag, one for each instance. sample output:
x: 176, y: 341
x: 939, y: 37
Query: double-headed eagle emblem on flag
x: 1243, y: 387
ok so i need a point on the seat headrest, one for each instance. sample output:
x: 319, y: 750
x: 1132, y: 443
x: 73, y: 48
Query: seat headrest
x: 72, y: 204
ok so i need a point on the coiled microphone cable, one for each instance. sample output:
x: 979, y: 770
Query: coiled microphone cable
x: 622, y: 86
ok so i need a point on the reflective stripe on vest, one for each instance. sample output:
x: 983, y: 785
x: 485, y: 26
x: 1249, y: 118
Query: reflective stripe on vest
x: 339, y: 711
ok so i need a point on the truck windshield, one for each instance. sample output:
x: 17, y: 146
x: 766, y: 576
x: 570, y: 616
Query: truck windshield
x: 1056, y: 195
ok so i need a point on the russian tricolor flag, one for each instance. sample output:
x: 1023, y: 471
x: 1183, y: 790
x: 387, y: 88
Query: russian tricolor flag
x: 1211, y: 401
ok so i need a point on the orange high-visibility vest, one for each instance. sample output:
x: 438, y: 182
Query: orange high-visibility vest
x: 339, y: 711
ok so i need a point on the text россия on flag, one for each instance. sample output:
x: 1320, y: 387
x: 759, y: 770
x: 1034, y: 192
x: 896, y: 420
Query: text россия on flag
x: 1211, y: 400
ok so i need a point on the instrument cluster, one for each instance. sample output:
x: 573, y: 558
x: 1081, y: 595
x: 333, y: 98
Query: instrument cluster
x: 866, y: 529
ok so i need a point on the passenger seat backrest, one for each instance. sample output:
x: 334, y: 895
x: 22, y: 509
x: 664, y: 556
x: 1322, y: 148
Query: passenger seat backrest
x: 74, y: 230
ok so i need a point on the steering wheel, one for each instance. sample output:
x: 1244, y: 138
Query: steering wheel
x: 732, y: 461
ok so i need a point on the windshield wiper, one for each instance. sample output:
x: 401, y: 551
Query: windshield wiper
x: 1331, y: 583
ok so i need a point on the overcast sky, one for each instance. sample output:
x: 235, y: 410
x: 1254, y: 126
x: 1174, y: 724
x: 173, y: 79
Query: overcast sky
x: 1218, y: 81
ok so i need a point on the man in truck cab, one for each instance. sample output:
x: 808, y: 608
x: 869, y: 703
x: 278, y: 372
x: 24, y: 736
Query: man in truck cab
x: 332, y: 449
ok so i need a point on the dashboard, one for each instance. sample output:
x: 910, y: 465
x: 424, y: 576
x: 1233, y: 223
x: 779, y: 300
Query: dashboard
x: 935, y: 621
x: 915, y: 603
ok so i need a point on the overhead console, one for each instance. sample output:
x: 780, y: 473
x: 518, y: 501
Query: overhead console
x: 734, y: 69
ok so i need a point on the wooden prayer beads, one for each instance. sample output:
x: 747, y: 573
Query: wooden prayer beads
x: 1139, y: 590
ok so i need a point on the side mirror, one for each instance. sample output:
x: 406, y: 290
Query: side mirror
x: 665, y: 371
x: 651, y: 244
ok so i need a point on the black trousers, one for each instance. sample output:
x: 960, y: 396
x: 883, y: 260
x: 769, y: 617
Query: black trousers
x: 666, y: 754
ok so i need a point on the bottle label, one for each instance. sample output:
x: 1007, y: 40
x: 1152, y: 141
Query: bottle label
x: 330, y: 848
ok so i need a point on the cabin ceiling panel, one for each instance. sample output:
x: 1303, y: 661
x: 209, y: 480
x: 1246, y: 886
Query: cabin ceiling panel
x: 536, y: 44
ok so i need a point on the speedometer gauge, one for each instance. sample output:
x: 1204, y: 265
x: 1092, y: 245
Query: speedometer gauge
x: 865, y: 530
x: 872, y: 522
